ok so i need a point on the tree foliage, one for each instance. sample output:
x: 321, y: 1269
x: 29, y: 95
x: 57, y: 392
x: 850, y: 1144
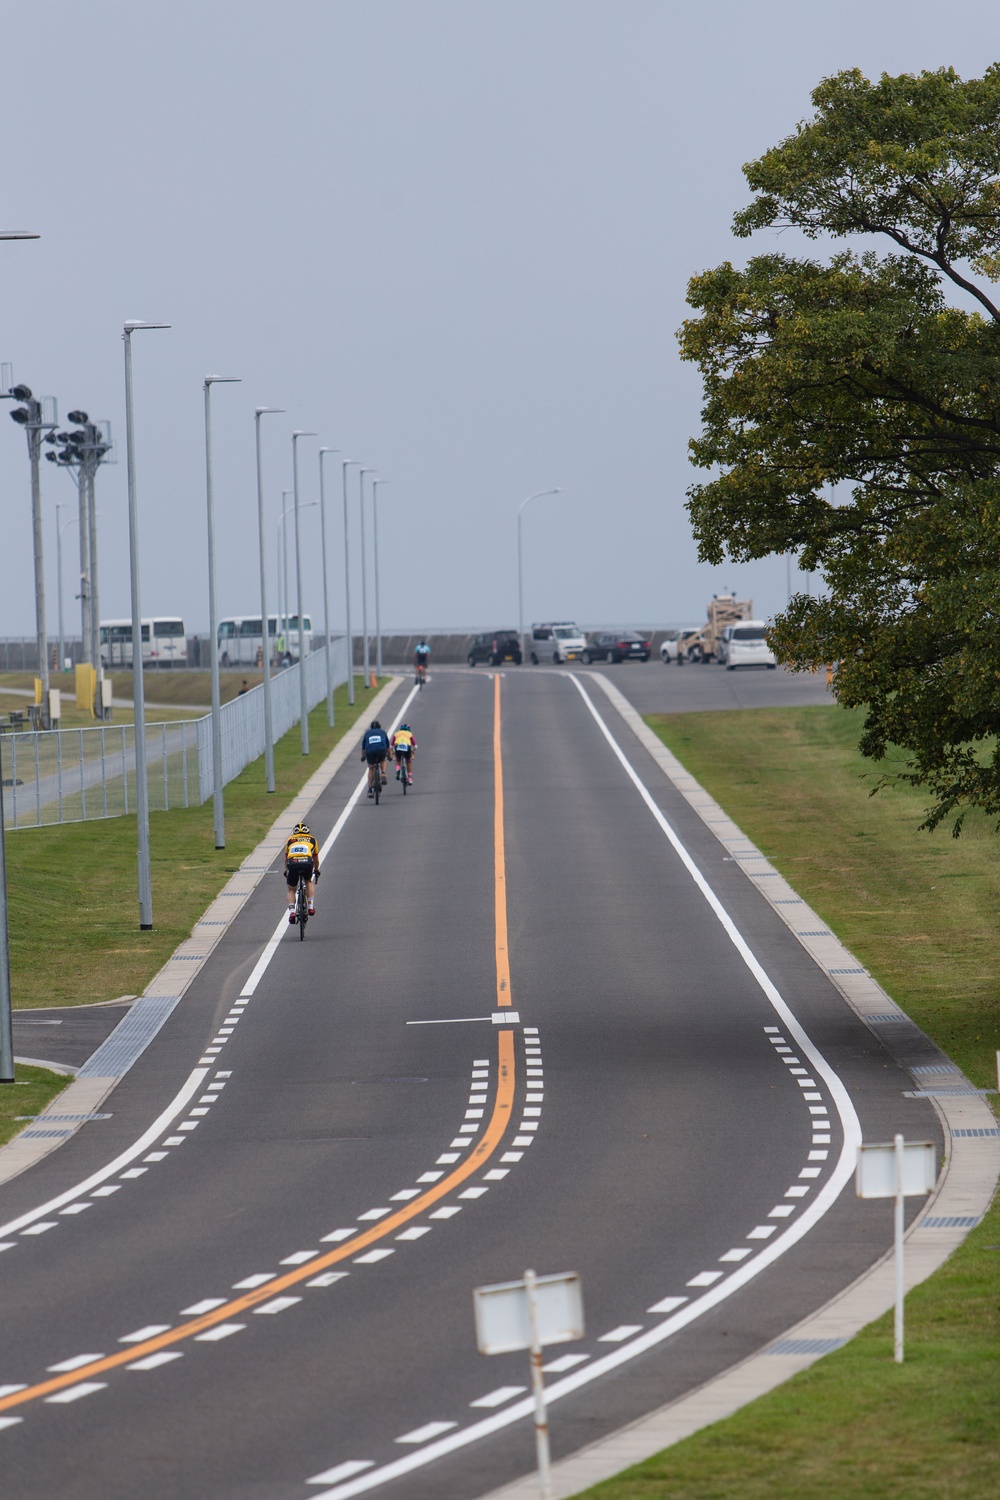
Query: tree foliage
x: 852, y: 413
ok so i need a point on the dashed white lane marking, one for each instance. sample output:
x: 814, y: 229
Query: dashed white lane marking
x: 40, y: 1228
x: 415, y: 1232
x: 336, y: 1235
x: 565, y: 1362
x: 259, y: 1278
x: 372, y: 1257
x: 11, y: 1390
x: 154, y: 1361
x: 205, y: 1305
x: 77, y: 1208
x: 736, y: 1254
x: 327, y: 1278
x: 299, y: 1258
x: 277, y: 1304
x: 141, y: 1334
x: 619, y: 1334
x: 375, y: 1213
x: 425, y: 1433
x: 667, y: 1304
x: 499, y: 1396
x: 221, y: 1331
x: 75, y: 1363
x: 704, y: 1278
x: 10, y: 1421
x: 342, y: 1471
x: 74, y: 1392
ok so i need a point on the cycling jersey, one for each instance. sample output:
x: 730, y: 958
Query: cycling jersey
x: 374, y: 744
x: 403, y: 742
x: 301, y: 847
x: 422, y: 653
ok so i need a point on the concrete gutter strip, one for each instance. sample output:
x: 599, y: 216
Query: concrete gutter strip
x: 133, y: 1034
x: 963, y: 1193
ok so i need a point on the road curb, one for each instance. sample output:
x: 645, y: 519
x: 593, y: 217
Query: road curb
x: 109, y: 1063
x: 963, y: 1193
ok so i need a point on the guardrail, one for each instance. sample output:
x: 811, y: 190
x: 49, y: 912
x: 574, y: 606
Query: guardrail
x: 75, y: 775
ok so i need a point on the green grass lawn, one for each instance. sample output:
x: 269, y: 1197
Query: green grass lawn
x: 921, y: 911
x: 31, y: 1094
x: 190, y: 687
x: 87, y: 945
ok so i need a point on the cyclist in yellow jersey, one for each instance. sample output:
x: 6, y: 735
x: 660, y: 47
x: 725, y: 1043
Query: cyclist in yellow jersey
x: 301, y: 858
x: 403, y: 747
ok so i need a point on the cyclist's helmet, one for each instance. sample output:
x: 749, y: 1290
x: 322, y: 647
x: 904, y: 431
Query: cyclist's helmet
x: 375, y: 724
x: 406, y: 727
x: 301, y: 828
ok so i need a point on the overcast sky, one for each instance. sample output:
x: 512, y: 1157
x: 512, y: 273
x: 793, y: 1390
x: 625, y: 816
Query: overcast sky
x: 450, y: 236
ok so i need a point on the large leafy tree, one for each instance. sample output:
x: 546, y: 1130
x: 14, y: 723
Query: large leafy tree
x: 852, y: 414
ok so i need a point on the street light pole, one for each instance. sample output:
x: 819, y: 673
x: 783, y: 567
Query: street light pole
x: 378, y: 617
x: 59, y: 588
x: 265, y: 654
x: 6, y: 1027
x: 345, y: 464
x: 520, y: 570
x: 303, y: 710
x: 218, y: 801
x: 286, y: 510
x: 138, y: 685
x: 364, y: 577
x: 326, y: 588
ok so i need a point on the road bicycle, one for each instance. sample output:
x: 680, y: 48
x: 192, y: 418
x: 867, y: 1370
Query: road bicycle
x: 301, y: 907
x: 421, y: 674
x: 377, y: 781
x: 403, y: 772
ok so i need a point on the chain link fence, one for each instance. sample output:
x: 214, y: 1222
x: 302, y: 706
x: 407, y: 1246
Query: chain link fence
x: 73, y: 775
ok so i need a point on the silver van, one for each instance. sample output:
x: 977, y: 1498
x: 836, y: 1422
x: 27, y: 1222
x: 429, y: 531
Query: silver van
x: 557, y: 641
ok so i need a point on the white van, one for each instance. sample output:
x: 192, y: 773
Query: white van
x: 557, y: 641
x: 164, y: 642
x: 241, y: 639
x: 746, y: 646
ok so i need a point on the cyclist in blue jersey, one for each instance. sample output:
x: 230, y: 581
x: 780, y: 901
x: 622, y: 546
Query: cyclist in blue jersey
x: 421, y: 657
x: 374, y: 749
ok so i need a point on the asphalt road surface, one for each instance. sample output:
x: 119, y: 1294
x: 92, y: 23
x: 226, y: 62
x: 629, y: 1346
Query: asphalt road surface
x: 517, y: 1033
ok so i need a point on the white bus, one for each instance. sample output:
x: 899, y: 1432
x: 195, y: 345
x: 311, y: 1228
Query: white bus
x: 241, y: 642
x: 164, y: 642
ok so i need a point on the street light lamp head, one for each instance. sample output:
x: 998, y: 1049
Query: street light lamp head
x: 329, y: 450
x: 259, y: 411
x: 223, y: 379
x: 133, y: 323
x: 18, y: 234
x: 300, y: 433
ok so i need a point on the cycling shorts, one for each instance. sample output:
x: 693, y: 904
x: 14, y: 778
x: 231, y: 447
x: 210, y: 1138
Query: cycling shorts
x: 297, y: 867
x: 403, y: 752
x: 376, y: 757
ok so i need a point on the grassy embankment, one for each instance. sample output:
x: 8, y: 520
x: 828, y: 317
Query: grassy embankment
x: 89, y: 947
x: 169, y: 695
x: 921, y: 912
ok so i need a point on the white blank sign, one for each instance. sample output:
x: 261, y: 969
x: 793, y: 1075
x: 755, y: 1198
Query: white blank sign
x: 502, y: 1321
x: 876, y: 1174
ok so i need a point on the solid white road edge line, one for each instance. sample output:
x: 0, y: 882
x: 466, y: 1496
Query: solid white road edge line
x: 810, y: 1216
x: 159, y: 1125
x: 197, y: 1078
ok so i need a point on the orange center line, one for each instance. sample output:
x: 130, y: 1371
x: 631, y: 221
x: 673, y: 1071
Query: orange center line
x: 484, y: 1148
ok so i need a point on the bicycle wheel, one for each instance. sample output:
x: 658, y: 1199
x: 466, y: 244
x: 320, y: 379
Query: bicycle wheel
x: 404, y: 768
x: 377, y: 783
x: 301, y: 908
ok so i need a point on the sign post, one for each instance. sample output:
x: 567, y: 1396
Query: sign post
x: 900, y: 1169
x: 528, y: 1315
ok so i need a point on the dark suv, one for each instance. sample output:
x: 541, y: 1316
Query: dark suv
x: 495, y: 646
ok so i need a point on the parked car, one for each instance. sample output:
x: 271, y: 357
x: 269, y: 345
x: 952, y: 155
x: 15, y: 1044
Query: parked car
x: 557, y: 640
x: 626, y: 645
x: 746, y: 646
x: 495, y: 646
x: 675, y: 641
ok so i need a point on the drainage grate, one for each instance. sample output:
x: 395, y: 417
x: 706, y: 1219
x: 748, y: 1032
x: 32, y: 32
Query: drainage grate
x: 994, y: 1132
x: 845, y: 971
x: 805, y: 1346
x: 880, y: 1020
x: 951, y: 1221
x: 934, y: 1068
x: 820, y: 932
x: 43, y: 1135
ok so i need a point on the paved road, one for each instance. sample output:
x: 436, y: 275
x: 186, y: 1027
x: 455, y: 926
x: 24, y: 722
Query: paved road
x: 272, y: 1296
x: 653, y: 688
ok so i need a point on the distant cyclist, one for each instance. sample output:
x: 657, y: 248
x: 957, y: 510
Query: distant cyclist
x: 301, y: 858
x: 374, y: 749
x: 421, y: 657
x: 404, y: 748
